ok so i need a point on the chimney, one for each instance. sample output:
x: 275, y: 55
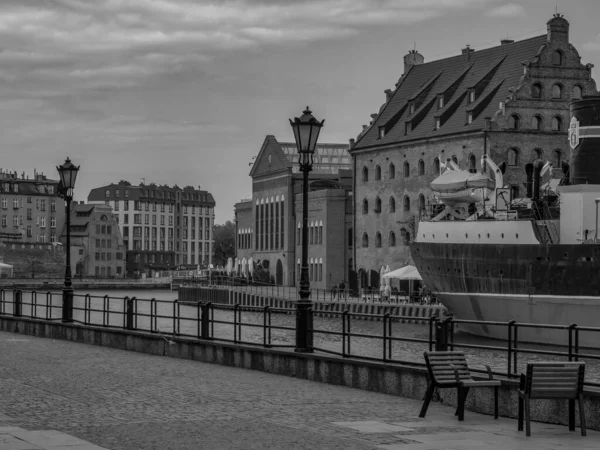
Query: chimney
x: 352, y: 142
x: 467, y: 52
x: 365, y: 127
x: 558, y: 29
x: 413, y: 58
x: 506, y: 41
x: 388, y: 94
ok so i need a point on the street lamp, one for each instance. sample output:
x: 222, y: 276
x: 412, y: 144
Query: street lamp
x: 68, y: 174
x: 306, y: 132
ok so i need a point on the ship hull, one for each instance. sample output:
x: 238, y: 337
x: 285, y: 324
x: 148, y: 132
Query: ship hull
x: 540, y: 284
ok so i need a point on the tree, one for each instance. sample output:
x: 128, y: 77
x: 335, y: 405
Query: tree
x: 224, y: 243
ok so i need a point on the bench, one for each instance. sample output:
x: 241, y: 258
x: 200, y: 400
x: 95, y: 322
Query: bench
x: 550, y: 380
x: 450, y: 370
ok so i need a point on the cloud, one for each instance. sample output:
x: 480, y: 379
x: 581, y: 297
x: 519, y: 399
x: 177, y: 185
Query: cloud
x: 593, y: 45
x: 507, y: 10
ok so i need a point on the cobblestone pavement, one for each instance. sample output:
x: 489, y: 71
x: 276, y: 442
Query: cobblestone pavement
x: 65, y: 395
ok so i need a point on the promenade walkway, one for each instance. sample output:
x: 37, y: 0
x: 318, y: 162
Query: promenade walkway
x: 64, y: 395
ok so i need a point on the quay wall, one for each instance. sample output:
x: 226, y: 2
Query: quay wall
x: 413, y: 313
x: 392, y: 379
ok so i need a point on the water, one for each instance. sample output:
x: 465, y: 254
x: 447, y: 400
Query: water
x: 367, y: 340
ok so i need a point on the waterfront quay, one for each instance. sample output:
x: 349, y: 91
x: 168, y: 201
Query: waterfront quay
x: 90, y: 398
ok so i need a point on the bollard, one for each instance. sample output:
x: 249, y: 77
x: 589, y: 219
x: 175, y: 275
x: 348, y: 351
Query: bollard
x: 441, y: 337
x: 18, y: 298
x: 129, y: 319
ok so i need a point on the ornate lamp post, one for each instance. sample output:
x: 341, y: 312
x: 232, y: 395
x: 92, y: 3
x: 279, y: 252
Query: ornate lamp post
x: 68, y: 174
x: 306, y: 132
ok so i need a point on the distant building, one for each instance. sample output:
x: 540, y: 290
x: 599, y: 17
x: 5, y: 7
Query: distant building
x: 269, y: 225
x: 162, y: 227
x: 511, y: 101
x: 96, y: 244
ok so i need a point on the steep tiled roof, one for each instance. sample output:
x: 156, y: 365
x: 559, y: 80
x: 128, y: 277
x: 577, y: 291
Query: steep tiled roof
x: 490, y: 72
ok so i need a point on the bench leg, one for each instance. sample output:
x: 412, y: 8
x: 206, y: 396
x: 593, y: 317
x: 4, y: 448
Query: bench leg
x: 527, y: 418
x: 495, y: 402
x: 520, y: 427
x: 571, y: 415
x: 462, y: 397
x: 428, y: 397
x: 581, y: 414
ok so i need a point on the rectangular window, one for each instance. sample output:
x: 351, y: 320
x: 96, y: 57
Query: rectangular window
x: 117, y: 204
x: 28, y: 213
x: 153, y: 220
x: 4, y: 203
x: 147, y: 219
x: 15, y: 203
x: 170, y: 221
x: 126, y: 218
x: 29, y: 234
x: 153, y: 206
x: 137, y: 219
x: 43, y: 204
x: 126, y: 205
x: 162, y: 220
x: 52, y: 204
x: 43, y: 222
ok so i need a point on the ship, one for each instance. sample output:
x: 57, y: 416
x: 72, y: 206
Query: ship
x: 494, y: 258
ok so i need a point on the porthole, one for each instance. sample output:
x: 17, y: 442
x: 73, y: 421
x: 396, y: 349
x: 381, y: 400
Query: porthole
x: 423, y: 234
x: 517, y: 235
x: 479, y: 235
x: 566, y: 255
x: 488, y: 235
x: 446, y: 234
x: 433, y: 236
x: 467, y: 235
x: 502, y: 235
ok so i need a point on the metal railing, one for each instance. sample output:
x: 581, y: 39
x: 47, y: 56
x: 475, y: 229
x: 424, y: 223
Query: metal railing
x: 342, y: 333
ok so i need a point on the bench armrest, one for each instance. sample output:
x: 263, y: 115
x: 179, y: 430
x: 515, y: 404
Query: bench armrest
x: 458, y: 380
x: 522, y: 382
x: 489, y: 372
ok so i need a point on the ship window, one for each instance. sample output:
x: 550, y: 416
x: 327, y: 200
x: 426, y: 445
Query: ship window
x: 392, y: 205
x: 392, y: 171
x: 406, y: 169
x: 557, y: 58
x: 466, y: 235
x: 436, y: 167
x: 513, y: 157
x: 514, y: 122
x: 517, y: 235
x: 536, y: 90
x: 472, y: 164
x: 557, y: 123
x: 488, y: 235
x: 536, y: 123
x: 421, y: 167
x: 576, y: 93
x: 377, y: 173
x: 557, y: 91
x: 502, y: 235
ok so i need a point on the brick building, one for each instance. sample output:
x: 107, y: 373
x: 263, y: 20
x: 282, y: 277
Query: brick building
x: 268, y: 225
x: 96, y: 244
x: 162, y: 227
x: 511, y: 101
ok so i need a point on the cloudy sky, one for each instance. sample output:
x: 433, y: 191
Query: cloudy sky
x: 184, y: 91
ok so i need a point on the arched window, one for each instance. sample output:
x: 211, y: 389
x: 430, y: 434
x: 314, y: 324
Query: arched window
x: 536, y: 90
x: 377, y: 205
x: 365, y: 206
x: 536, y: 123
x: 392, y: 171
x: 350, y: 238
x: 421, y: 167
x: 455, y: 159
x: 406, y: 169
x: 365, y: 240
x: 377, y: 173
x: 576, y: 93
x: 472, y: 164
x: 513, y: 157
x: 536, y: 153
x: 557, y: 58
x: 378, y: 240
x: 392, y: 239
x: 365, y: 174
x: 392, y: 205
x: 557, y: 91
x: 558, y: 157
x: 514, y: 122
x: 406, y: 203
x: 557, y: 123
x: 436, y: 167
x: 421, y: 203
x: 514, y: 191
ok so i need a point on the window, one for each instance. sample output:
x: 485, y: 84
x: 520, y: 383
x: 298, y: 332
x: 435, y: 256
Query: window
x: 392, y: 205
x: 107, y: 193
x: 365, y: 208
x: 406, y: 169
x: 350, y: 238
x: 377, y: 205
x: 455, y: 159
x: 514, y: 122
x: 558, y: 157
x: 536, y: 123
x: 557, y: 123
x: 15, y: 203
x: 514, y: 191
x: 469, y: 117
x: 406, y: 203
x: 557, y: 58
x: 392, y: 239
x: 126, y: 205
x: 421, y: 203
x: 472, y: 164
x: 421, y: 167
x: 440, y: 101
x: 378, y: 240
x: 365, y: 174
x: 392, y: 171
x: 436, y: 167
x: 536, y: 90
x: 116, y: 205
x: 576, y: 93
x: 377, y: 173
x: 557, y: 91
x: 471, y: 95
x: 52, y: 222
x: 536, y: 153
x: 437, y: 124
x: 513, y: 157
x: 365, y: 240
x: 381, y: 132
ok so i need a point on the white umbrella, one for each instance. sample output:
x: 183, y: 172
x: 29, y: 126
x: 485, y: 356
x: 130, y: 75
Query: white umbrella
x: 244, y: 267
x: 250, y: 265
x: 404, y: 273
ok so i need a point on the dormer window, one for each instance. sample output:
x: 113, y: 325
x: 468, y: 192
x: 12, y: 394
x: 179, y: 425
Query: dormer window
x: 381, y: 132
x: 411, y: 108
x: 408, y: 128
x: 437, y: 124
x: 471, y: 95
x: 469, y: 117
x: 440, y: 101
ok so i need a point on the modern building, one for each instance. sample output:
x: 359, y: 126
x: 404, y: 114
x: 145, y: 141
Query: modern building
x: 510, y: 101
x: 162, y: 227
x: 96, y: 244
x: 269, y: 225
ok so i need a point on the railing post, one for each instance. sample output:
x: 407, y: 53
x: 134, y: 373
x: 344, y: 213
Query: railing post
x: 433, y: 320
x: 17, y: 302
x: 129, y: 323
x: 441, y: 336
x: 511, y: 325
x: 572, y: 331
x: 205, y: 321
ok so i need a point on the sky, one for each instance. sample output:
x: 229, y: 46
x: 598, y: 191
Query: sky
x: 185, y: 91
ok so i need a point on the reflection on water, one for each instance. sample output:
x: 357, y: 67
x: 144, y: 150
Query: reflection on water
x: 185, y: 319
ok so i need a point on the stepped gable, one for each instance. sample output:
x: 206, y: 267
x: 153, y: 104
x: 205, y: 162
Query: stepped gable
x: 491, y: 72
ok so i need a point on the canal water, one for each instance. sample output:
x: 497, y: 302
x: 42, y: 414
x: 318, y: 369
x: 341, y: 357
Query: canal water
x: 368, y: 342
